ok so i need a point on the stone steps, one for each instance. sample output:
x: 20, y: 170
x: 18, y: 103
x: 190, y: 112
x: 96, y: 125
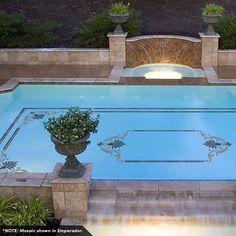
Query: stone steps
x: 114, y: 201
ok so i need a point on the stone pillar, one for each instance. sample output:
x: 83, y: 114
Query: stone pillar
x: 117, y: 49
x: 210, y: 47
x: 70, y: 195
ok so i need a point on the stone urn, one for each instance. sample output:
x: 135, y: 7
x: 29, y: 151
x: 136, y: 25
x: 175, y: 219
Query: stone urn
x: 210, y: 20
x: 72, y: 167
x: 118, y: 19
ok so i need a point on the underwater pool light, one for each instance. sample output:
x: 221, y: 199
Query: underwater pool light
x: 163, y: 74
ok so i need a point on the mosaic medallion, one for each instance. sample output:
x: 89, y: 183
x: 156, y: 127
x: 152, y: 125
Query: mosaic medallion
x: 114, y: 145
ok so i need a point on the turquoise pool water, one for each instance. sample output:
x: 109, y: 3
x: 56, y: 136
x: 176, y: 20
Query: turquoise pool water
x: 145, y: 132
x: 162, y: 69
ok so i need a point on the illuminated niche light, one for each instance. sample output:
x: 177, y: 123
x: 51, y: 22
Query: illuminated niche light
x: 163, y: 74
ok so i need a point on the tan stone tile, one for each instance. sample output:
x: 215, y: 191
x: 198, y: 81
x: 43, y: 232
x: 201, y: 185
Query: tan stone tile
x: 68, y: 181
x: 104, y: 185
x: 76, y: 214
x: 3, y: 57
x: 26, y: 182
x: 70, y: 221
x: 6, y: 190
x: 59, y: 201
x: 102, y: 197
x: 57, y: 188
x: 179, y: 186
x: 218, y: 185
x: 12, y: 57
x: 26, y: 175
x: 63, y: 57
x: 80, y: 187
x: 104, y: 56
x: 76, y: 201
x: 59, y: 214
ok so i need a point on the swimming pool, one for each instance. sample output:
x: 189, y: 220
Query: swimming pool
x: 163, y: 71
x: 145, y: 132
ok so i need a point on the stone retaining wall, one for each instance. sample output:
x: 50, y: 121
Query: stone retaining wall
x: 227, y: 57
x: 55, y: 56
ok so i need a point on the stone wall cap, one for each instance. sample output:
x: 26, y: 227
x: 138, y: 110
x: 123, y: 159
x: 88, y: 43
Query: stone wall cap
x: 227, y: 50
x: 84, y: 179
x: 203, y: 35
x: 115, y: 35
x: 196, y: 40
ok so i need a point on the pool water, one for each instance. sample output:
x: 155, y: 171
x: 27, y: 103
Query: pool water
x: 145, y: 132
x: 163, y: 71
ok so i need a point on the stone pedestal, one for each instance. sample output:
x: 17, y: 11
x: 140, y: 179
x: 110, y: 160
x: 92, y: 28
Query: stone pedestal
x: 70, y: 195
x: 117, y: 49
x: 210, y: 47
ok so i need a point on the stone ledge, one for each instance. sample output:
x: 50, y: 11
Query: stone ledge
x: 195, y: 40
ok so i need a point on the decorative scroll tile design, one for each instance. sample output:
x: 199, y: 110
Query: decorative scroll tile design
x: 6, y: 165
x: 215, y: 145
x: 113, y: 145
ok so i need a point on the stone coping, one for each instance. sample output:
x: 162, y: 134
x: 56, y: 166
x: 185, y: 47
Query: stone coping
x: 11, y: 84
x: 42, y: 179
x: 163, y: 185
x: 54, y: 49
x: 115, y: 35
x: 195, y: 40
x: 203, y: 35
x: 227, y: 50
x: 14, y: 82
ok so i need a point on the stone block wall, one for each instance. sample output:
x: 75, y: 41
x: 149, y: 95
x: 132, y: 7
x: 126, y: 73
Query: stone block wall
x: 26, y: 185
x: 163, y: 49
x: 55, y: 56
x: 227, y: 57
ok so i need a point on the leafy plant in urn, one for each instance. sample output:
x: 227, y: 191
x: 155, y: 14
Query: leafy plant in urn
x: 211, y: 14
x: 70, y: 133
x: 118, y: 14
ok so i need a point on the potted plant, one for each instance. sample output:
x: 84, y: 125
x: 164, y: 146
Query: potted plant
x: 211, y: 14
x: 70, y: 133
x: 119, y: 13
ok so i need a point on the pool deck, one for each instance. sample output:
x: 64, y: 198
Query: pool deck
x: 12, y: 75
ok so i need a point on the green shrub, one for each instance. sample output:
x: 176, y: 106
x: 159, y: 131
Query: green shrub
x: 227, y: 31
x: 119, y: 8
x: 72, y: 125
x: 7, y: 206
x: 17, y: 32
x: 213, y: 9
x: 17, y: 212
x: 94, y: 33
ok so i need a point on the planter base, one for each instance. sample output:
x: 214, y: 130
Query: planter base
x: 72, y: 173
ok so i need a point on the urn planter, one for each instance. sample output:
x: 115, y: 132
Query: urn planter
x: 72, y: 167
x: 118, y: 19
x: 210, y: 20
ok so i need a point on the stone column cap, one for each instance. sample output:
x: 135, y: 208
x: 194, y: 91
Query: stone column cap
x: 84, y: 179
x: 121, y: 35
x: 203, y: 35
